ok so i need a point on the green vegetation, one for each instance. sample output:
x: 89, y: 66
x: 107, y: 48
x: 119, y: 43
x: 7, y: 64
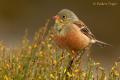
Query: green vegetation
x: 43, y: 60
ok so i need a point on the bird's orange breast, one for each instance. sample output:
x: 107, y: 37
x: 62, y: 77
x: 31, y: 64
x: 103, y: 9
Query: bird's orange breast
x: 73, y: 40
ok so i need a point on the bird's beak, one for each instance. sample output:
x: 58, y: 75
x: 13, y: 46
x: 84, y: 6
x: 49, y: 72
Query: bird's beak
x: 56, y: 17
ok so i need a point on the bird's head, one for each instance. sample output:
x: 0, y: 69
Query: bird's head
x: 65, y: 16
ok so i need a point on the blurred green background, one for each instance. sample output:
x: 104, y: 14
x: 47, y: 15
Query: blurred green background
x: 103, y: 20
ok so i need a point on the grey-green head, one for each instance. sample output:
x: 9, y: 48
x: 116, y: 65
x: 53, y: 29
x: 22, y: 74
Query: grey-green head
x: 62, y: 18
x: 66, y: 15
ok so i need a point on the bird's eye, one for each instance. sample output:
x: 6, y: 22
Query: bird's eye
x: 64, y: 17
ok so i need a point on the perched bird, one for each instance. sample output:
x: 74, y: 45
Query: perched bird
x: 71, y: 33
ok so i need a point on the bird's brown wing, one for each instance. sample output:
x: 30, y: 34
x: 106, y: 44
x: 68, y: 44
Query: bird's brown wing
x: 84, y: 29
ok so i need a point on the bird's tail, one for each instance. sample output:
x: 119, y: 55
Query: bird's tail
x: 102, y: 44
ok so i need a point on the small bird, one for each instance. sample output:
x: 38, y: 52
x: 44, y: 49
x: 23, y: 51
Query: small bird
x: 71, y: 33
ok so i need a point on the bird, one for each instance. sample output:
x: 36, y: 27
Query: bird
x: 73, y: 34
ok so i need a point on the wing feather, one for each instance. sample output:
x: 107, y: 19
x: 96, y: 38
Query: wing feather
x: 84, y: 29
